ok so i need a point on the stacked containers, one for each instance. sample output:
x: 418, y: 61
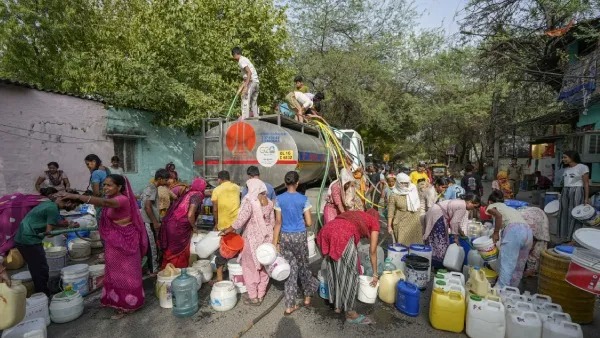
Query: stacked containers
x: 485, y: 318
x: 447, y: 309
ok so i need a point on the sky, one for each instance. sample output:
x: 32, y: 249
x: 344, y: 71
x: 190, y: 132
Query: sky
x: 441, y: 13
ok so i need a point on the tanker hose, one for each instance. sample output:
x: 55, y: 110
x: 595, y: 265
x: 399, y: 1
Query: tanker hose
x: 232, y: 104
x: 319, y: 221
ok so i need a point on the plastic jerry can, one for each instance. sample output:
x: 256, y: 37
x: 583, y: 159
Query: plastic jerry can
x: 554, y: 317
x: 443, y: 274
x: 12, y: 305
x: 527, y: 324
x: 548, y: 308
x: 518, y: 309
x: 507, y: 291
x: 511, y: 302
x: 485, y: 318
x: 562, y: 329
x: 407, y: 298
x: 387, y: 285
x: 539, y: 300
x: 450, y: 285
x: 447, y: 310
x: 474, y: 258
x: 477, y: 282
x: 455, y: 255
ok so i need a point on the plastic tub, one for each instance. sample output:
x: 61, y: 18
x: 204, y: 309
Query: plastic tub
x: 551, y: 209
x: 57, y: 259
x: 236, y: 275
x: 586, y: 214
x: 163, y: 286
x: 280, y: 269
x: 77, y: 276
x: 66, y: 306
x: 266, y: 253
x: 584, y: 270
x: 223, y: 296
x: 79, y: 249
x: 396, y: 252
x: 96, y: 276
x: 367, y: 293
x: 34, y: 328
x: 231, y: 245
x: 203, y: 266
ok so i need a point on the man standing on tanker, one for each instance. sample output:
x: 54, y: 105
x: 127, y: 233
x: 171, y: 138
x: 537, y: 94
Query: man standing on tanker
x: 249, y: 87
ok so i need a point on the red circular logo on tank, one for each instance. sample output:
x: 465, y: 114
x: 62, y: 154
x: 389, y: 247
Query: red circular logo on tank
x: 240, y: 137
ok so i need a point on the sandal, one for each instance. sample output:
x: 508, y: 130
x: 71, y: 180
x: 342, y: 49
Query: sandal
x: 286, y: 313
x: 307, y: 301
x: 361, y: 320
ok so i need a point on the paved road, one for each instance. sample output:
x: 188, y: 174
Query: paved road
x: 317, y: 321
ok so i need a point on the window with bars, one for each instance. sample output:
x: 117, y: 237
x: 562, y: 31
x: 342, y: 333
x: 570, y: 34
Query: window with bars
x: 126, y: 149
x: 594, y: 144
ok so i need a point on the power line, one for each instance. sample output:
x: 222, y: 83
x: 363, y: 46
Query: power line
x: 60, y: 135
x: 39, y: 139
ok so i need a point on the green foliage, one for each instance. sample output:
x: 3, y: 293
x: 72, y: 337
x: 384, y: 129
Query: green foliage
x: 169, y: 57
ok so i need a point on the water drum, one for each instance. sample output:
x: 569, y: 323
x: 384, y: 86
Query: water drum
x: 163, y: 285
x: 423, y: 251
x: 551, y: 209
x: 588, y: 238
x: 236, y: 275
x: 396, y: 252
x: 584, y: 271
x: 223, y: 296
x: 79, y: 249
x: 486, y: 247
x: 417, y: 270
x: 203, y: 266
x: 549, y: 197
x: 56, y: 257
x: 586, y: 214
x: 77, y: 276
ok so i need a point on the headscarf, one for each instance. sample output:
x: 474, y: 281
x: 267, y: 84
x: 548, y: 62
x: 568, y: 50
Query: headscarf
x: 344, y: 178
x: 504, y: 184
x: 411, y: 192
x: 255, y: 188
x: 196, y: 188
x: 365, y: 221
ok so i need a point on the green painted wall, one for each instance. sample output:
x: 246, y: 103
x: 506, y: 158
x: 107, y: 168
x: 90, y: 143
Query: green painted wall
x: 593, y: 116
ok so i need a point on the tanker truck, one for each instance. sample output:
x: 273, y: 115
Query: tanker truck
x: 273, y: 143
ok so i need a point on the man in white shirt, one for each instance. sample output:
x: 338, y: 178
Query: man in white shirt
x: 301, y: 103
x: 249, y: 87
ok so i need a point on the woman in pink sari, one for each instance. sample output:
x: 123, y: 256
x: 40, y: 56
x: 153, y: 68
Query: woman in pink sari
x: 257, y: 218
x: 335, y: 203
x: 178, y: 226
x: 125, y: 243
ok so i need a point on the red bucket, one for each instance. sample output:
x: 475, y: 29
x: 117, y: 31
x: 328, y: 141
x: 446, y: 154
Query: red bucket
x: 231, y: 244
x: 584, y: 271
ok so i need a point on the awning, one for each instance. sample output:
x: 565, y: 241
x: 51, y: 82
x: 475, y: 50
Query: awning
x: 562, y: 117
x: 547, y: 139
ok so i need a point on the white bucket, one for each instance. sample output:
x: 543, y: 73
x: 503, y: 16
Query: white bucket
x: 95, y: 241
x: 163, y: 289
x: 279, y: 270
x: 96, y: 276
x: 454, y: 258
x: 203, y: 266
x: 587, y: 214
x: 223, y: 296
x: 367, y: 293
x: 266, y: 253
x: 65, y: 308
x: 58, y: 240
x: 79, y: 249
x: 195, y: 239
x: 194, y: 272
x: 57, y: 259
x: 77, y: 276
x: 396, y: 252
x: 551, y: 209
x: 312, y: 246
x: 37, y: 307
x: 34, y: 328
x: 236, y: 275
x: 209, y: 244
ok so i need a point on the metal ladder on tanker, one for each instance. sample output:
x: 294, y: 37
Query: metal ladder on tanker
x: 208, y: 124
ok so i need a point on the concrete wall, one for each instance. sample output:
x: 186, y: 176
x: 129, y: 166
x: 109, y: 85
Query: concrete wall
x: 37, y: 127
x: 160, y: 145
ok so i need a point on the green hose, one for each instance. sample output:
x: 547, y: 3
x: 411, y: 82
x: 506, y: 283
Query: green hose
x: 319, y: 222
x: 233, y: 104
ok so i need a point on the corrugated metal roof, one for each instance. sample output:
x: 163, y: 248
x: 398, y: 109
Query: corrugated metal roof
x: 96, y: 98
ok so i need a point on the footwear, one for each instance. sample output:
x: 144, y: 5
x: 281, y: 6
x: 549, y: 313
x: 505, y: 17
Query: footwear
x: 286, y: 313
x: 361, y: 320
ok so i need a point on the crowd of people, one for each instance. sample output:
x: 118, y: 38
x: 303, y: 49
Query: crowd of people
x: 415, y: 206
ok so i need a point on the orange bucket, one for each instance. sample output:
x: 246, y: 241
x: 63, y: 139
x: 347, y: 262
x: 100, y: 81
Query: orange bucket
x: 231, y: 244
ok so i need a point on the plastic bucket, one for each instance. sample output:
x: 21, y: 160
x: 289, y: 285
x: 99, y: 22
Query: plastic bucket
x: 77, y: 276
x: 56, y: 257
x: 163, y: 290
x: 223, y: 296
x: 423, y: 251
x: 236, y: 275
x: 550, y: 196
x: 417, y: 270
x: 24, y: 278
x: 486, y: 247
x: 367, y: 293
x: 203, y: 266
x: 208, y: 244
x: 231, y: 244
x: 79, y: 249
x: 312, y: 246
x: 266, y: 253
x: 586, y: 214
x: 584, y: 271
x: 395, y: 253
x: 279, y: 270
x: 551, y: 209
x: 96, y: 276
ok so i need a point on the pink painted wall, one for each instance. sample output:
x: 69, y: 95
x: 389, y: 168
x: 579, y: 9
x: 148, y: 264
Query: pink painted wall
x: 37, y: 127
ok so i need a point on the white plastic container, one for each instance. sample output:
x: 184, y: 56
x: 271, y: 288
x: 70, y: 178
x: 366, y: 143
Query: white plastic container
x: 554, y: 318
x: 452, y: 275
x: 194, y: 272
x: 34, y: 328
x: 209, y: 244
x: 196, y: 237
x: 423, y: 251
x: 395, y: 253
x: 266, y: 253
x: 24, y: 278
x: 562, y: 329
x: 223, y: 296
x: 279, y: 270
x: 96, y: 276
x: 205, y: 269
x: 548, y: 308
x: 79, y: 250
x: 508, y: 291
x: 65, y: 308
x: 95, y: 241
x: 236, y: 275
x: 538, y: 300
x: 12, y: 304
x: 37, y: 307
x: 485, y: 318
x: 474, y: 258
x: 58, y: 240
x: 163, y: 289
x: 367, y: 293
x: 77, y: 276
x: 511, y: 302
x: 528, y: 324
x: 454, y: 258
x: 312, y: 245
x: 57, y: 259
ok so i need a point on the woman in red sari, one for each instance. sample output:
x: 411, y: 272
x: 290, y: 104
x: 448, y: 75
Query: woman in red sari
x: 125, y: 243
x: 178, y: 226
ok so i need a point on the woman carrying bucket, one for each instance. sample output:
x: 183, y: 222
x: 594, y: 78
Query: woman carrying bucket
x: 338, y: 240
x: 178, y: 225
x: 292, y: 216
x: 517, y: 239
x: 257, y: 219
x: 125, y: 243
